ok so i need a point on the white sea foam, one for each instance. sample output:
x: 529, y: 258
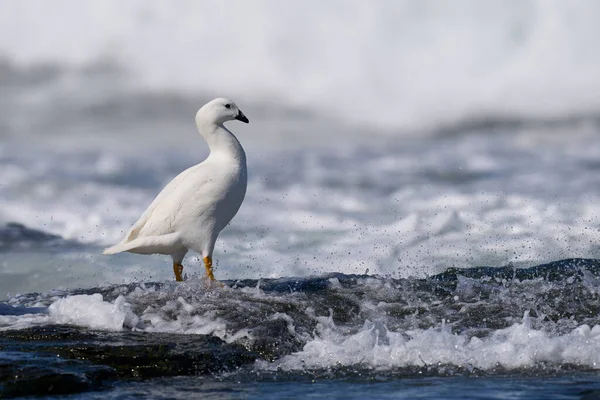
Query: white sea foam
x: 92, y: 311
x: 89, y: 311
x: 472, y: 201
x: 374, y: 346
x: 398, y: 63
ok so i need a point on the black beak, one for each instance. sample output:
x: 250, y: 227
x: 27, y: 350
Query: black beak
x: 241, y: 117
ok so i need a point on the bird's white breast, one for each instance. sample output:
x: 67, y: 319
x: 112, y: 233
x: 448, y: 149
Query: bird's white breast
x: 213, y: 196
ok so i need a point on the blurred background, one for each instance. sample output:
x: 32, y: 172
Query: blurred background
x: 389, y: 137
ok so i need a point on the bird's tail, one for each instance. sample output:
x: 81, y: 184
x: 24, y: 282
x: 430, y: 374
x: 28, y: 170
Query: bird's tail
x: 117, y: 248
x: 163, y: 244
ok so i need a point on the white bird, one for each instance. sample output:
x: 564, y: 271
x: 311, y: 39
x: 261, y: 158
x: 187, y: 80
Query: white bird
x: 190, y: 212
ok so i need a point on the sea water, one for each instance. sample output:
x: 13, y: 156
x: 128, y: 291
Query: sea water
x: 421, y: 217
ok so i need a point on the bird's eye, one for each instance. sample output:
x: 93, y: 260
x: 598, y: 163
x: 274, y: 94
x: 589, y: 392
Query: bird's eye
x: 227, y: 105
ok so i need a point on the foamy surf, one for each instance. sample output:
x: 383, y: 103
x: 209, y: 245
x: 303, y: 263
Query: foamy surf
x: 407, y: 209
x: 513, y: 348
x: 483, y: 319
x: 490, y: 54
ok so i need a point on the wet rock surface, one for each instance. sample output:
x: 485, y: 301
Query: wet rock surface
x: 63, y: 359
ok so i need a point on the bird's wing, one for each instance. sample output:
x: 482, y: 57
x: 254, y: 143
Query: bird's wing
x: 165, y: 205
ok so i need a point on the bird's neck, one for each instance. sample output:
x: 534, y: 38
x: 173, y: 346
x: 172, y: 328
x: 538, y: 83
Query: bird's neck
x: 222, y: 142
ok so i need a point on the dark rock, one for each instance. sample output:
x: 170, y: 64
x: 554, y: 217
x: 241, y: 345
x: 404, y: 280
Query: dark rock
x: 24, y: 375
x: 71, y: 360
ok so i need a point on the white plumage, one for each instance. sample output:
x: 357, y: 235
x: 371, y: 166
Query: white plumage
x: 190, y: 212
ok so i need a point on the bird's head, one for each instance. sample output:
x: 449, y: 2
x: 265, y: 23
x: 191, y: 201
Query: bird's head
x: 218, y: 111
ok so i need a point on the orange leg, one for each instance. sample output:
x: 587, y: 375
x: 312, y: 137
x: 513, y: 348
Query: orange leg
x: 209, y: 269
x: 178, y: 270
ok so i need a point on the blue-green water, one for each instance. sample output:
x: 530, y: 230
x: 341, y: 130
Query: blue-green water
x: 580, y: 386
